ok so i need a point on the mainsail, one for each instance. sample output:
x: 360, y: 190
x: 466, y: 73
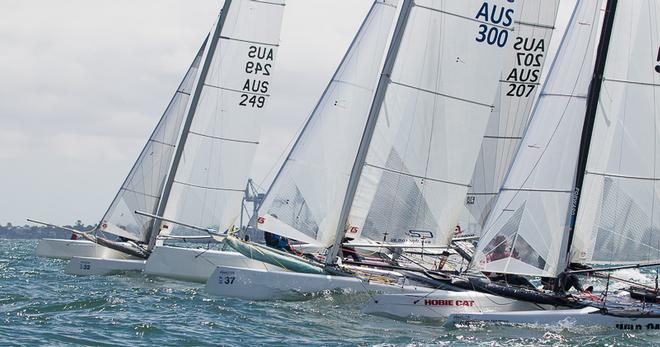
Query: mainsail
x: 619, y: 212
x: 427, y: 121
x: 305, y: 198
x: 519, y: 83
x: 142, y: 188
x: 528, y: 227
x: 221, y: 132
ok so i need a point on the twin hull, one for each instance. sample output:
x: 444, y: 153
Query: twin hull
x: 255, y: 284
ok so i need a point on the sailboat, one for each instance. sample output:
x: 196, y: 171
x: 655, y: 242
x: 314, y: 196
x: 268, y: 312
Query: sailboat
x: 140, y: 190
x: 535, y: 22
x: 599, y: 206
x: 399, y: 170
x: 201, y: 184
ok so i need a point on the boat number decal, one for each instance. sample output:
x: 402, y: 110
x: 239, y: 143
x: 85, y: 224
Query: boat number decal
x: 257, y: 67
x: 437, y: 302
x: 226, y: 279
x: 425, y: 234
x: 526, y: 72
x: 657, y: 67
x: 353, y: 230
x: 649, y: 326
x: 261, y: 220
x: 85, y: 265
x: 500, y: 18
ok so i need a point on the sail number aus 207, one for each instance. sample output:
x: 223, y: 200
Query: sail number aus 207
x: 499, y: 19
x: 257, y: 67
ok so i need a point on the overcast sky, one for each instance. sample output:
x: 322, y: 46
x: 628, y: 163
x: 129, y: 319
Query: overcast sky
x: 83, y: 83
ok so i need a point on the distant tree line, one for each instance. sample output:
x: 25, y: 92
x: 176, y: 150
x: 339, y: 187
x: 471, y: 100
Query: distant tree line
x: 10, y: 231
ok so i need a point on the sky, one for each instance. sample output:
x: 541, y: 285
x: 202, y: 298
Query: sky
x: 83, y: 83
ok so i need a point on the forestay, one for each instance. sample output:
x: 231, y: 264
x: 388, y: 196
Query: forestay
x: 519, y: 83
x: 141, y: 191
x: 619, y: 213
x: 224, y: 123
x: 431, y: 121
x: 528, y: 228
x: 307, y: 194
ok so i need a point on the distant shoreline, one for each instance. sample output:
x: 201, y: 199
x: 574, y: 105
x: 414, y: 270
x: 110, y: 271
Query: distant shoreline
x: 31, y: 232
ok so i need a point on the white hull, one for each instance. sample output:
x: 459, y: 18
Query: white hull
x: 100, y: 266
x: 196, y: 265
x: 267, y: 285
x: 587, y: 316
x: 440, y: 304
x: 67, y: 249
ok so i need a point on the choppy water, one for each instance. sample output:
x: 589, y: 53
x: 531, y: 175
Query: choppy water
x: 40, y: 305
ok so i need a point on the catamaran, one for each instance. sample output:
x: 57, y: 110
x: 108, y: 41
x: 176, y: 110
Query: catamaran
x: 387, y: 166
x: 193, y: 173
x: 599, y: 206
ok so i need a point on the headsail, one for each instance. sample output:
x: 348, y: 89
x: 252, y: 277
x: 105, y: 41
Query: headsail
x: 429, y: 122
x: 307, y: 193
x: 527, y: 229
x: 143, y: 187
x: 221, y: 132
x: 519, y: 83
x: 619, y: 213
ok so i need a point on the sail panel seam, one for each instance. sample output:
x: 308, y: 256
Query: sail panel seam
x: 240, y: 190
x: 162, y: 143
x: 443, y: 95
x: 416, y: 176
x: 250, y: 41
x: 140, y: 193
x: 235, y: 90
x: 224, y: 138
x: 268, y: 3
x: 463, y: 17
x: 537, y: 190
x: 631, y: 82
x: 641, y: 178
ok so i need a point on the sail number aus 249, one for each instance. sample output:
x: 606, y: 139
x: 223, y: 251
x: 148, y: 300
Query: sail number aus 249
x: 257, y: 67
x: 500, y: 18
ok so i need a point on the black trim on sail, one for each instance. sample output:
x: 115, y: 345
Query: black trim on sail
x: 590, y: 116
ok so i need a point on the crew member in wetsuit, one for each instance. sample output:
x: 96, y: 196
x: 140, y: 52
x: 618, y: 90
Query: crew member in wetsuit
x: 348, y: 251
x: 501, y: 251
x: 564, y: 283
x: 276, y: 241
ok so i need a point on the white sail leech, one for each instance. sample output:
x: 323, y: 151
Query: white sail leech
x: 618, y: 217
x: 528, y: 228
x: 306, y: 195
x: 220, y: 145
x: 519, y: 84
x: 142, y: 188
x: 433, y: 117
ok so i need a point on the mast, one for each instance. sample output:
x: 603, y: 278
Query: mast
x: 188, y: 122
x: 592, y: 107
x: 376, y: 106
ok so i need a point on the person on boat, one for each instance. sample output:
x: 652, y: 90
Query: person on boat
x: 564, y: 283
x: 502, y: 251
x: 348, y: 251
x: 276, y: 241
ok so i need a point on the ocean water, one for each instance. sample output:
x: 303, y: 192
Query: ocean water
x: 40, y: 305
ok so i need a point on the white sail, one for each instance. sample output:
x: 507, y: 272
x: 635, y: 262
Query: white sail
x: 619, y: 213
x: 142, y: 188
x: 528, y: 227
x: 219, y: 146
x: 519, y: 83
x: 307, y: 193
x: 431, y: 121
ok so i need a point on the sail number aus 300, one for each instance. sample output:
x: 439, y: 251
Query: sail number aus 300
x: 497, y: 21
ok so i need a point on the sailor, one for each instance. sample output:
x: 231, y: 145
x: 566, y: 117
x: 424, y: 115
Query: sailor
x: 276, y: 241
x: 348, y: 251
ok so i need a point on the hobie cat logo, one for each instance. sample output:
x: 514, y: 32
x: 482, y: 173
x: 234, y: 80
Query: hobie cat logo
x: 420, y: 234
